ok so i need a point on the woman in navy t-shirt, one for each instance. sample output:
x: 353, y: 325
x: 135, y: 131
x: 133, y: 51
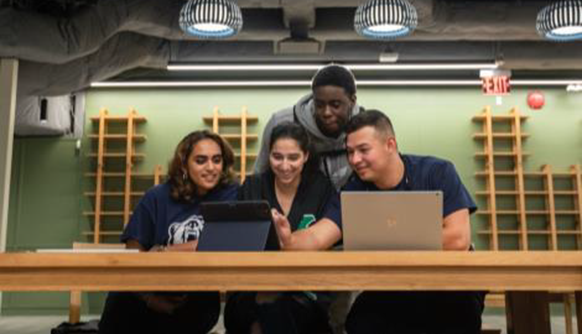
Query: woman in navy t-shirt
x: 167, y: 219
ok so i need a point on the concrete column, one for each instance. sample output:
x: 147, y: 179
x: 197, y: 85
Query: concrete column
x: 8, y: 83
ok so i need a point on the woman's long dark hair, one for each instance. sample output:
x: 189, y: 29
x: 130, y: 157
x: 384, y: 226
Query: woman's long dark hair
x: 182, y: 187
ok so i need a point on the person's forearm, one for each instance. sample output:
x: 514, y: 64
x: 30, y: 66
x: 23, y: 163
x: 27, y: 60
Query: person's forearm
x: 302, y: 240
x: 457, y: 231
x: 185, y: 247
x: 319, y: 236
x: 456, y: 240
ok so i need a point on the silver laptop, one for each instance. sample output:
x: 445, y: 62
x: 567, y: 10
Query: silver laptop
x: 392, y: 220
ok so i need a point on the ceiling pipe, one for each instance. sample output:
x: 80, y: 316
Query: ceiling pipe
x: 51, y: 80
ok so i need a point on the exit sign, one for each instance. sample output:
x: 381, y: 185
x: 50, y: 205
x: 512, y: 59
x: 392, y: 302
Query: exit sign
x: 498, y: 85
x: 495, y: 82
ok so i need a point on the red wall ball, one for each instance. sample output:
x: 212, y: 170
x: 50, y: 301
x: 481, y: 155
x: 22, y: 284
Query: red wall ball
x: 536, y: 100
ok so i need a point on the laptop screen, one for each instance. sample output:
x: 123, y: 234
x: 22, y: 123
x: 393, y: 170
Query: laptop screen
x: 392, y: 220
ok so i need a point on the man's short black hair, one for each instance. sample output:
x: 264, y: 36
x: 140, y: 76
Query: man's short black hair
x: 374, y: 118
x: 335, y: 75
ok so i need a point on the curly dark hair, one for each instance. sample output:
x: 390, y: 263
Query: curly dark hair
x: 335, y: 75
x: 182, y: 188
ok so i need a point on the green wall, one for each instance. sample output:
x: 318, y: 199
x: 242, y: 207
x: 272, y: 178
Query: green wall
x: 44, y: 209
x: 46, y: 200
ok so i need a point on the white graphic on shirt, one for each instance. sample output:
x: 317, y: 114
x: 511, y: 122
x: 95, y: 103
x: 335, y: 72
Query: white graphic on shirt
x: 188, y: 230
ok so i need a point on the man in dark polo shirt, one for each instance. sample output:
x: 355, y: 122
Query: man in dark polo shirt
x: 373, y: 154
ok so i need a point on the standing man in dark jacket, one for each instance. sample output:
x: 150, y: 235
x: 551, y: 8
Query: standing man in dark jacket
x: 324, y: 114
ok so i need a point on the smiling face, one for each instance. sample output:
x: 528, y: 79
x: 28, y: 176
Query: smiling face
x: 370, y: 153
x: 333, y: 107
x: 287, y: 160
x: 205, y: 165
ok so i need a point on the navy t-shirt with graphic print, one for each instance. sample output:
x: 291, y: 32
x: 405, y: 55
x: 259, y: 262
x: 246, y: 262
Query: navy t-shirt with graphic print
x: 421, y: 173
x: 158, y: 219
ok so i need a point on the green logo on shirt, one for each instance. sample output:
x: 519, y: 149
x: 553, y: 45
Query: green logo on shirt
x: 306, y: 221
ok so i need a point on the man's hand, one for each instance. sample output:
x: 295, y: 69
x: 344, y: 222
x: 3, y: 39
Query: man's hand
x: 189, y: 246
x: 282, y: 227
x: 321, y: 235
x: 157, y: 249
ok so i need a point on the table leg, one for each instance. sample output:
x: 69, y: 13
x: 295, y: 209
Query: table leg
x: 508, y: 314
x: 528, y: 311
x: 579, y: 310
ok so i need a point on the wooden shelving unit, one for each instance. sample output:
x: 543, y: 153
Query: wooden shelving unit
x: 114, y: 142
x: 237, y: 140
x: 546, y: 176
x: 546, y: 193
x: 488, y: 136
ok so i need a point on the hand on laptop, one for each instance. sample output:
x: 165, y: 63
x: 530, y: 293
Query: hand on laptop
x: 282, y: 227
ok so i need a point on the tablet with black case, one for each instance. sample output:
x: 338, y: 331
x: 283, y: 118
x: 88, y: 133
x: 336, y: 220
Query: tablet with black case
x: 235, y: 226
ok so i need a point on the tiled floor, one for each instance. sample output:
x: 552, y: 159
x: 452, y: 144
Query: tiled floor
x: 43, y: 324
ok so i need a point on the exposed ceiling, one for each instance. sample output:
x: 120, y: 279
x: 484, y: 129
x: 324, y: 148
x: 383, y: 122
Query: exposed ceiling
x: 64, y: 45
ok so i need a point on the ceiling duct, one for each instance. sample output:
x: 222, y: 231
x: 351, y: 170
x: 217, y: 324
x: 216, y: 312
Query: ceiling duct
x: 104, y: 38
x: 299, y: 18
x: 299, y: 43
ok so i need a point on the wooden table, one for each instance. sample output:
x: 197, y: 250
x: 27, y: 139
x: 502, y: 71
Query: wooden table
x: 527, y: 276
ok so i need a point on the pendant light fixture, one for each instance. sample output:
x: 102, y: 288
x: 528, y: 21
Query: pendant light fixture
x: 561, y: 20
x: 385, y: 19
x: 211, y: 19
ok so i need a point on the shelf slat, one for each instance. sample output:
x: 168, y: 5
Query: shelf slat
x: 118, y: 137
x: 500, y: 154
x: 499, y: 135
x: 230, y: 119
x: 500, y: 232
x: 238, y: 137
x: 121, y: 174
x: 525, y: 174
x: 114, y: 193
x: 512, y: 193
x: 104, y: 213
x: 527, y: 192
x: 114, y: 118
x: 498, y: 118
x: 104, y: 233
x: 497, y: 173
x: 543, y: 232
x: 118, y: 155
x: 528, y: 212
